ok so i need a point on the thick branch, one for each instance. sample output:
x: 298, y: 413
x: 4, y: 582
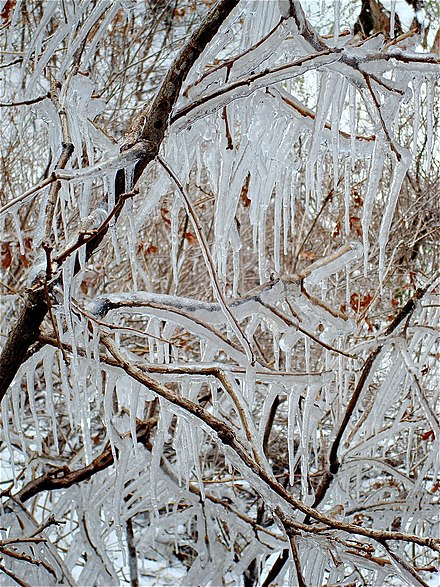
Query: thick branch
x: 63, y: 477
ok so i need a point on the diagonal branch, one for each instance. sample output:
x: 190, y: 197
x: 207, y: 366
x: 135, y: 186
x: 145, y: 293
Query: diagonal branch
x: 334, y: 464
x: 210, y: 263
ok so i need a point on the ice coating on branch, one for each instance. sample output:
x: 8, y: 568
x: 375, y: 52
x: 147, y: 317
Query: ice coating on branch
x: 345, y: 255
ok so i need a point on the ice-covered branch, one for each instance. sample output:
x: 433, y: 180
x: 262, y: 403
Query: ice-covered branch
x: 247, y: 465
x: 206, y: 104
x: 368, y: 368
x: 209, y: 263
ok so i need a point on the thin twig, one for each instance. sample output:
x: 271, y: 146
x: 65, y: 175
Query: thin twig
x: 209, y: 263
x: 22, y: 197
x: 14, y: 577
x: 24, y: 102
x: 85, y: 237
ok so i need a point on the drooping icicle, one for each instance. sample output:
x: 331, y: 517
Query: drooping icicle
x: 236, y: 265
x: 109, y: 187
x: 293, y: 191
x: 374, y: 175
x: 30, y: 386
x: 277, y: 231
x: 108, y: 411
x: 131, y: 241
x: 400, y: 170
x: 304, y: 439
x: 327, y: 85
x: 7, y: 435
x: 336, y: 113
x: 262, y: 261
x: 353, y: 115
x: 416, y: 82
x: 48, y: 360
x: 393, y: 19
x: 18, y: 232
x: 134, y: 400
x: 307, y: 353
x: 430, y: 88
x: 17, y: 414
x: 195, y: 450
x: 85, y: 425
x: 121, y: 466
x: 174, y: 237
x: 286, y: 208
x: 291, y: 421
x: 249, y: 384
x: 347, y: 192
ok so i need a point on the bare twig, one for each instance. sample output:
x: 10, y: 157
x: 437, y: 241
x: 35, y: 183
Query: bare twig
x: 24, y: 102
x: 14, y: 577
x: 210, y: 263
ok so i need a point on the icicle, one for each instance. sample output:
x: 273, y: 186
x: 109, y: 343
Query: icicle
x: 108, y: 411
x: 134, y: 400
x: 374, y: 174
x: 276, y: 349
x: 129, y: 176
x: 430, y: 87
x: 17, y: 411
x: 131, y: 241
x: 320, y: 173
x: 109, y: 187
x: 249, y: 384
x: 307, y: 353
x: 304, y: 440
x: 288, y: 359
x: 336, y: 22
x: 416, y: 110
x: 399, y: 174
x: 6, y: 434
x: 291, y: 418
x: 174, y: 237
x: 195, y: 448
x: 85, y: 428
x: 286, y: 209
x: 236, y: 247
x: 66, y: 387
x: 393, y: 19
x: 326, y: 94
x: 352, y: 106
x: 31, y: 394
x: 337, y: 108
x: 48, y: 360
x: 118, y: 499
x: 17, y: 229
x: 277, y: 232
x: 347, y: 192
x: 347, y: 285
x: 155, y: 325
x: 293, y: 191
